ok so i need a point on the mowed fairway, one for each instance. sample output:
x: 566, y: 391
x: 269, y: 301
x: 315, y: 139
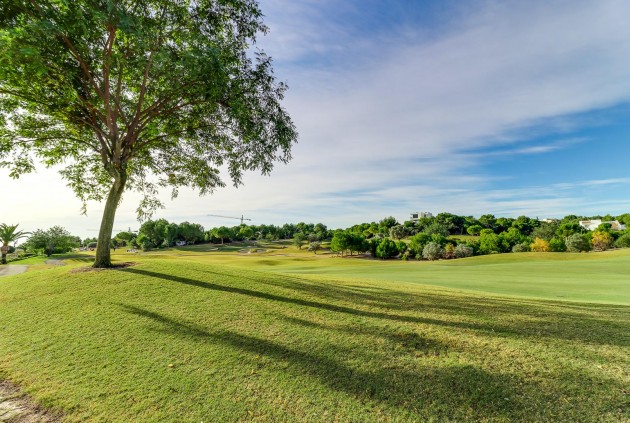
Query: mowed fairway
x: 221, y: 336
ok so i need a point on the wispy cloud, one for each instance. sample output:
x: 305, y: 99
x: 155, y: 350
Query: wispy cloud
x: 406, y: 117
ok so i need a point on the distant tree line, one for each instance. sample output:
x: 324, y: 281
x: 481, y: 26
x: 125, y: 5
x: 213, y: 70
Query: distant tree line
x: 444, y: 236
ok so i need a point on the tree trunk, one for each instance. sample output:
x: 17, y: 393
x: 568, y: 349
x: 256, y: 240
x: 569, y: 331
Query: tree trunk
x: 103, y: 256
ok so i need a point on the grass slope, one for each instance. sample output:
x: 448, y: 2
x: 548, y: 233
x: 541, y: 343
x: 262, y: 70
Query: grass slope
x: 188, y: 337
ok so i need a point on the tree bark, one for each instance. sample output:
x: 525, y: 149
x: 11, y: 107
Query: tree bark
x: 103, y: 256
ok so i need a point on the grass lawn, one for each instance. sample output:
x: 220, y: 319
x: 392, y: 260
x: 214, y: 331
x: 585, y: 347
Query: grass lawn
x: 225, y: 335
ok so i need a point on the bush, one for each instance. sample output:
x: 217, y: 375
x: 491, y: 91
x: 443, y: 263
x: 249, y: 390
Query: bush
x: 540, y: 246
x: 557, y: 245
x: 623, y: 241
x: 521, y: 248
x: 449, y: 251
x: 417, y: 244
x: 602, y: 240
x: 463, y: 250
x: 433, y: 251
x: 386, y: 249
x: 577, y: 243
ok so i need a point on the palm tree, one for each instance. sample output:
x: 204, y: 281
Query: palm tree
x: 9, y: 234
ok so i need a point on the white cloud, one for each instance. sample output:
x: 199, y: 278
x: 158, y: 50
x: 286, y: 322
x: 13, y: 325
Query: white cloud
x: 391, y: 125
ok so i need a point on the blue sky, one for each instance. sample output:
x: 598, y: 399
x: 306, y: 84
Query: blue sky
x: 468, y: 107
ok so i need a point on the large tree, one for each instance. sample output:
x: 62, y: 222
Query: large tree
x: 138, y: 94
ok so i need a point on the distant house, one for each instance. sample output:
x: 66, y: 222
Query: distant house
x: 593, y: 224
x: 549, y: 220
x: 420, y: 215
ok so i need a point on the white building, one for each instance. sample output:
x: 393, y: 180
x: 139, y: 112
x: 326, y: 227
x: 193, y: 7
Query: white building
x: 593, y: 224
x: 415, y: 216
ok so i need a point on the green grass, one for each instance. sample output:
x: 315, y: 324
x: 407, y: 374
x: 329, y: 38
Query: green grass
x: 192, y: 336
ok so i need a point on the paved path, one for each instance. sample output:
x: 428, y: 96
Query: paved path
x: 17, y: 408
x: 13, y: 269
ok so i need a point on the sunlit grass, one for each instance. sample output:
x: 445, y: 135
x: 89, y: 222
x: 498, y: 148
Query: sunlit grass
x: 186, y: 336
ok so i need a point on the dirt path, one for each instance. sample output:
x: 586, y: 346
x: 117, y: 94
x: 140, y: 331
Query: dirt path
x: 17, y: 408
x: 14, y: 269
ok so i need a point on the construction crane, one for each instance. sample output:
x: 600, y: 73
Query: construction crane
x: 230, y: 217
x: 114, y: 230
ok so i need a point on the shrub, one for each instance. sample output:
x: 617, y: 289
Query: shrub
x: 623, y: 241
x: 540, y: 246
x: 521, y: 248
x: 386, y: 249
x: 463, y: 250
x: 602, y: 240
x: 418, y: 243
x: 315, y: 246
x: 433, y: 251
x: 557, y: 245
x: 449, y: 251
x: 577, y: 243
x: 489, y: 242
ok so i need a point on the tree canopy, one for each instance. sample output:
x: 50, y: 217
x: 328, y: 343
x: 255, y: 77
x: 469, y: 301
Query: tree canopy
x: 138, y: 95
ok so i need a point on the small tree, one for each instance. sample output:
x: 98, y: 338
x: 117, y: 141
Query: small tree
x: 386, y: 249
x: 623, y: 241
x: 298, y: 240
x: 474, y: 230
x: 315, y: 246
x: 417, y: 243
x: 9, y: 234
x: 397, y: 232
x: 557, y: 245
x: 433, y: 251
x: 577, y: 243
x: 54, y: 240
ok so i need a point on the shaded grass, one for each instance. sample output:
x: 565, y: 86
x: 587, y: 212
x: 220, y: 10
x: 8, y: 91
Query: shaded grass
x: 247, y: 344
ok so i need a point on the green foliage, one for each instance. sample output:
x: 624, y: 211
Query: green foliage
x: 315, y: 246
x: 397, y: 232
x: 192, y: 233
x: 557, y: 245
x: 433, y: 251
x: 299, y: 239
x: 55, y: 240
x: 344, y: 241
x: 474, y: 229
x: 489, y: 242
x: 417, y: 243
x: 9, y: 234
x: 386, y: 249
x: 569, y: 228
x: 623, y: 241
x: 138, y: 96
x: 437, y: 228
x: 545, y: 231
x: 577, y: 243
x: 512, y: 237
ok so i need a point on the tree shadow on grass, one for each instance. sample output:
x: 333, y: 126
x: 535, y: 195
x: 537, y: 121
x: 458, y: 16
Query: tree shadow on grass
x: 448, y: 392
x: 542, y: 319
